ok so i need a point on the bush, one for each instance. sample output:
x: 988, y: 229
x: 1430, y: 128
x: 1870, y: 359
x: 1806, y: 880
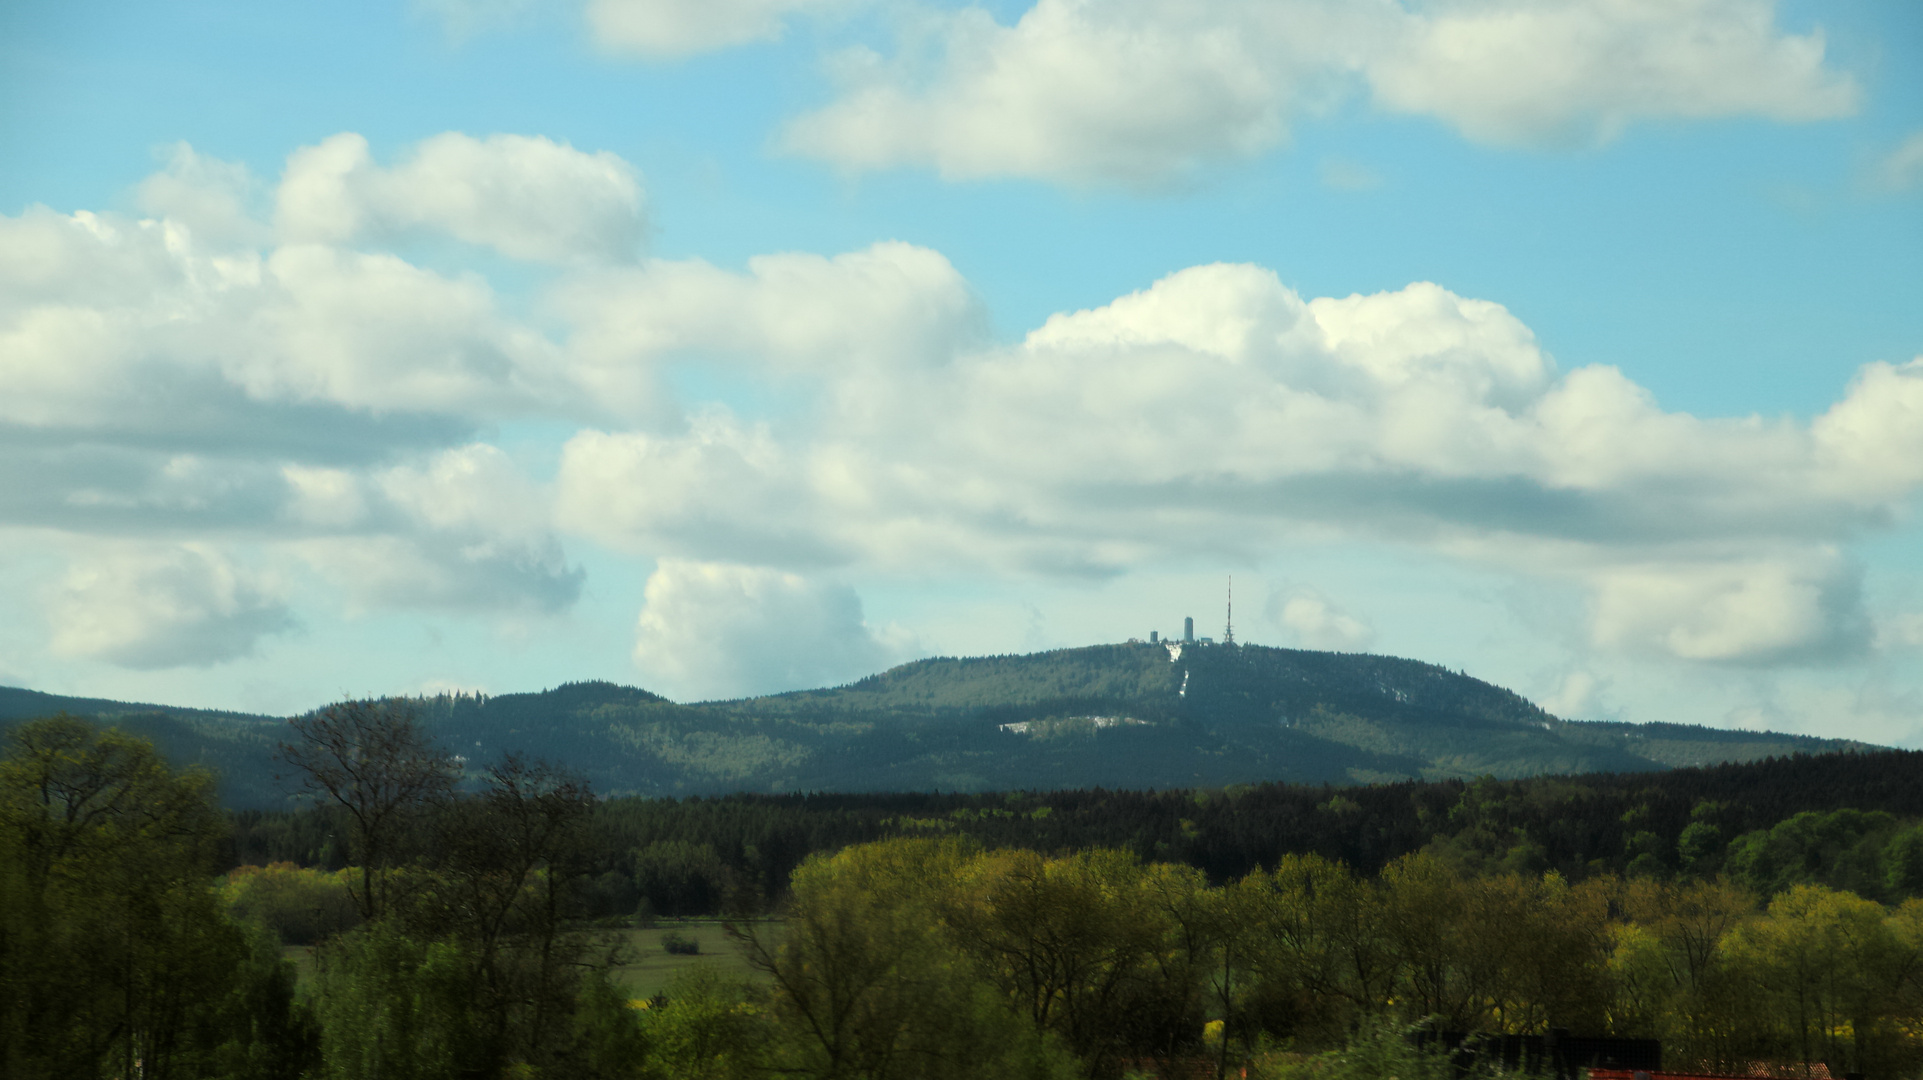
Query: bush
x: 680, y: 944
x: 1380, y: 1051
x: 302, y: 906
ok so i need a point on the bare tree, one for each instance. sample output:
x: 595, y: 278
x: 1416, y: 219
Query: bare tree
x: 376, y: 762
x: 509, y: 854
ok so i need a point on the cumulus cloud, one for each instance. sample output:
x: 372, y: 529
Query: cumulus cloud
x: 1561, y: 71
x: 215, y: 200
x: 305, y: 400
x: 888, y: 305
x: 465, y: 529
x: 373, y: 332
x: 1315, y: 623
x: 687, y: 494
x: 442, y: 572
x: 1219, y: 408
x: 132, y: 325
x: 1145, y: 92
x: 712, y: 630
x: 189, y: 605
x: 328, y: 400
x: 524, y: 196
x: 1754, y: 611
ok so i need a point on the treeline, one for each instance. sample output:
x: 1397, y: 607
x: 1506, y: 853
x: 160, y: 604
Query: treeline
x: 937, y: 958
x: 1846, y: 821
x: 449, y: 947
x: 458, y: 920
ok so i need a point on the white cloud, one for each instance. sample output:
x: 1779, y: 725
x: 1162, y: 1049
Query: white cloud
x: 1902, y: 168
x: 328, y: 400
x: 439, y: 571
x: 188, y: 605
x: 1750, y: 611
x: 161, y: 373
x: 1873, y: 711
x: 525, y: 196
x: 1871, y: 442
x: 472, y: 488
x: 661, y: 29
x: 324, y: 498
x: 1218, y: 408
x: 464, y: 529
x: 1129, y: 92
x: 85, y: 259
x: 1315, y: 623
x: 373, y: 332
x: 1577, y: 696
x: 713, y: 630
x: 1559, y: 71
x: 215, y: 200
x: 132, y: 326
x: 722, y: 490
x: 887, y: 305
x: 1146, y: 92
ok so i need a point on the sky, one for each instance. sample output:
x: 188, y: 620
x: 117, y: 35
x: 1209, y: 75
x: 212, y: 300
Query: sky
x: 723, y: 347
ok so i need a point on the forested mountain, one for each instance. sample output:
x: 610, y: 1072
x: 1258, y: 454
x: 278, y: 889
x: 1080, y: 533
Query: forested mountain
x: 238, y: 747
x: 1118, y: 716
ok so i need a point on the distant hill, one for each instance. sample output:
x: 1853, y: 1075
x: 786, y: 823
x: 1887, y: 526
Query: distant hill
x: 1119, y: 716
x: 238, y: 747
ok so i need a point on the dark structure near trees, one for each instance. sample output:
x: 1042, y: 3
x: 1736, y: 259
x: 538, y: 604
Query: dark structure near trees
x: 1557, y: 1054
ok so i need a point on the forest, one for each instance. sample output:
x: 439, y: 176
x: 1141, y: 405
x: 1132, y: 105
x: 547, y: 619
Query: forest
x: 458, y: 919
x: 1201, y: 716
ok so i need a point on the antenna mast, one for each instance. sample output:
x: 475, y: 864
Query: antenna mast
x: 1228, y: 632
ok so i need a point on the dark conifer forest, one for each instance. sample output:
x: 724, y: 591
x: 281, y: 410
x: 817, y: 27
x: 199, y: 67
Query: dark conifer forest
x: 421, y: 899
x: 1132, y: 716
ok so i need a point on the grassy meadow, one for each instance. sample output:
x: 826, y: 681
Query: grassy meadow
x: 651, y: 967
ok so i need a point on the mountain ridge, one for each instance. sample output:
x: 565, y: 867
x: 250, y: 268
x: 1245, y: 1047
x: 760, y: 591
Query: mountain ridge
x: 1134, y: 715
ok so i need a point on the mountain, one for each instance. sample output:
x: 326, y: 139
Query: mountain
x: 1120, y: 716
x: 238, y: 747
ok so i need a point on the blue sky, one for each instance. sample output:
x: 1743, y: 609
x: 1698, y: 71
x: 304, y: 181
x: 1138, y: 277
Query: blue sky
x: 731, y: 347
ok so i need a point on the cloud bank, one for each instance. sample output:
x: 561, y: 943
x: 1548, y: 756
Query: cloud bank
x: 710, y: 630
x: 1146, y: 92
x: 525, y: 197
x: 296, y: 398
x: 186, y: 605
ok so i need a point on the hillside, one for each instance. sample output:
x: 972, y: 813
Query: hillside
x: 1119, y: 716
x: 238, y: 747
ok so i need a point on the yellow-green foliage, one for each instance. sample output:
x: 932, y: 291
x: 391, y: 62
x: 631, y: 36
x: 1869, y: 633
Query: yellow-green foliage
x: 302, y: 905
x: 931, y: 946
x: 113, y: 950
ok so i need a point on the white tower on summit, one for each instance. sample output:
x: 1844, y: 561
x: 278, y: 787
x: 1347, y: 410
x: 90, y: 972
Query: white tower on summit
x: 1228, y: 632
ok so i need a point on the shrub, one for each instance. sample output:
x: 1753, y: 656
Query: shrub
x: 680, y: 944
x: 302, y: 906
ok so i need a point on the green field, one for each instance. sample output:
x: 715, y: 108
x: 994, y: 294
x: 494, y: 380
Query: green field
x: 651, y: 967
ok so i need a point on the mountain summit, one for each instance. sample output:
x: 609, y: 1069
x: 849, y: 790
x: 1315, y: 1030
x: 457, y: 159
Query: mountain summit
x: 1132, y: 716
